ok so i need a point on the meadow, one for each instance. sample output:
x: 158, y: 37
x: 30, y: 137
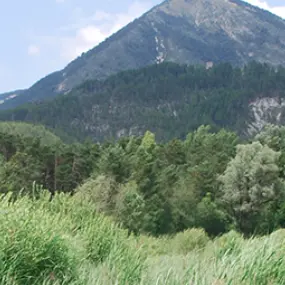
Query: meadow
x: 66, y: 241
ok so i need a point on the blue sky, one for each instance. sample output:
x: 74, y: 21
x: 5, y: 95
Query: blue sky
x: 42, y: 36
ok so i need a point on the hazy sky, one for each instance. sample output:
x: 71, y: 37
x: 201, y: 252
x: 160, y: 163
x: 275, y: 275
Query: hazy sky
x: 42, y: 36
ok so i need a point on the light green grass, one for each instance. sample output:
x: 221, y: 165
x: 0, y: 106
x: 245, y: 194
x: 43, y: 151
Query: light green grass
x: 67, y: 242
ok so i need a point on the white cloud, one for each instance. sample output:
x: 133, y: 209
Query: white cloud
x: 33, y: 50
x: 84, y: 39
x: 101, y: 25
x: 277, y: 10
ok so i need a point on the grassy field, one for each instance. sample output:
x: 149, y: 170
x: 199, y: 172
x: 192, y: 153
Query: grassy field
x: 66, y: 242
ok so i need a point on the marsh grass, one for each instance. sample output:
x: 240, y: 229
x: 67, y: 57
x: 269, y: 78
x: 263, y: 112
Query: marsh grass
x: 44, y: 242
x: 66, y: 242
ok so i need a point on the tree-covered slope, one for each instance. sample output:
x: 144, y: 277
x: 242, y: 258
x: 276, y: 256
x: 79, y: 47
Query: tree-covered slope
x: 181, y: 31
x: 25, y: 130
x: 31, y: 153
x: 168, y: 99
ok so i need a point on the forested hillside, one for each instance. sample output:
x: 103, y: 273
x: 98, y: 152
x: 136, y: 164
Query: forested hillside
x: 209, y: 180
x: 168, y: 99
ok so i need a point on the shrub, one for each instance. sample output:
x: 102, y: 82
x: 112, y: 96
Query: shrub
x: 101, y: 191
x: 153, y: 246
x: 189, y: 240
x: 229, y: 243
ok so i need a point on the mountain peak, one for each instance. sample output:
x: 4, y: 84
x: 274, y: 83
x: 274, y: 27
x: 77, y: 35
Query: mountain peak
x: 192, y: 6
x: 214, y: 12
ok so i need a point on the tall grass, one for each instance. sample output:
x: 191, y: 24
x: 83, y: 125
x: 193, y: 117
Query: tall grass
x: 227, y: 260
x: 54, y: 242
x: 66, y: 242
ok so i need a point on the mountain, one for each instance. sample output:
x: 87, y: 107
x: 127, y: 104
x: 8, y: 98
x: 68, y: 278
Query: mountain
x: 167, y: 99
x: 182, y: 31
x: 5, y: 97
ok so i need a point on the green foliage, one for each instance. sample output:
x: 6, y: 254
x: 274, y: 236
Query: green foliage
x: 251, y: 183
x: 274, y: 137
x: 32, y: 246
x: 101, y: 191
x: 229, y: 259
x: 229, y: 243
x: 66, y: 242
x: 113, y: 163
x: 169, y: 198
x: 30, y: 131
x: 211, y: 218
x: 169, y: 100
x: 31, y: 154
x: 155, y: 189
x: 130, y: 207
x: 105, y: 243
x: 189, y: 240
x: 183, y: 202
x: 45, y: 242
x: 20, y: 171
x: 148, y: 141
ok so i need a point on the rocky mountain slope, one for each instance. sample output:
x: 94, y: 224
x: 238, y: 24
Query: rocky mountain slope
x: 167, y: 99
x: 182, y: 31
x: 5, y: 97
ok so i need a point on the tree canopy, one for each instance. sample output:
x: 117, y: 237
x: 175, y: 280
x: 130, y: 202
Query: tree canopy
x: 210, y: 180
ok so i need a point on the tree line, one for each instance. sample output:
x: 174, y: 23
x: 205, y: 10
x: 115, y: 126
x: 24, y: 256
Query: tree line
x: 211, y: 180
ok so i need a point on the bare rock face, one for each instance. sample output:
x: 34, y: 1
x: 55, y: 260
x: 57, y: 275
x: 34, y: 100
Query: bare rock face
x: 182, y: 31
x: 265, y: 111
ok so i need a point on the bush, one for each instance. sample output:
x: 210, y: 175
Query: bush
x: 229, y: 243
x: 101, y: 191
x: 152, y: 246
x: 189, y: 240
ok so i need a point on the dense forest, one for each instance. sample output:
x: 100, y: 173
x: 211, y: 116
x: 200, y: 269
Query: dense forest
x: 169, y: 100
x: 210, y: 180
